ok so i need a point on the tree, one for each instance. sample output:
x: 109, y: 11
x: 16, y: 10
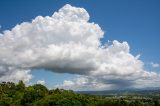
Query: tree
x: 20, y: 86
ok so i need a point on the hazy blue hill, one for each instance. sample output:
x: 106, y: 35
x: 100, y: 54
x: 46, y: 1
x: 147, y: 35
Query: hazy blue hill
x: 123, y: 92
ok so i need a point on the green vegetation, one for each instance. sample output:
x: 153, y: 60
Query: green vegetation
x: 12, y: 94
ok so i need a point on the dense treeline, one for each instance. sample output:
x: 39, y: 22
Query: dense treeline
x: 12, y: 94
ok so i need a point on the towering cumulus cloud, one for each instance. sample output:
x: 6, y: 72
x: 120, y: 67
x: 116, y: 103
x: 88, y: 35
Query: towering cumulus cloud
x: 67, y: 42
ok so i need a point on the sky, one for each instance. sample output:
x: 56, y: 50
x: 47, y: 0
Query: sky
x: 81, y: 44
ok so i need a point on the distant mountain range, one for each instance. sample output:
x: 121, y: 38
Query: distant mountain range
x: 123, y: 92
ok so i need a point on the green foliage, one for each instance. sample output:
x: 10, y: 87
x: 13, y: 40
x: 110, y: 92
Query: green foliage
x: 20, y: 86
x: 38, y: 95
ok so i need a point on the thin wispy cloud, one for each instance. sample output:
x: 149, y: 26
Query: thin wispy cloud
x: 155, y: 65
x: 67, y: 42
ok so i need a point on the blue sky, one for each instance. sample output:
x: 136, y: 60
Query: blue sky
x: 134, y: 21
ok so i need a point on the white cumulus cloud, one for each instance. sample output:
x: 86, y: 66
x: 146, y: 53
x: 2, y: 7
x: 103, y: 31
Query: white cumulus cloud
x: 41, y: 82
x: 67, y: 42
x: 9, y: 73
